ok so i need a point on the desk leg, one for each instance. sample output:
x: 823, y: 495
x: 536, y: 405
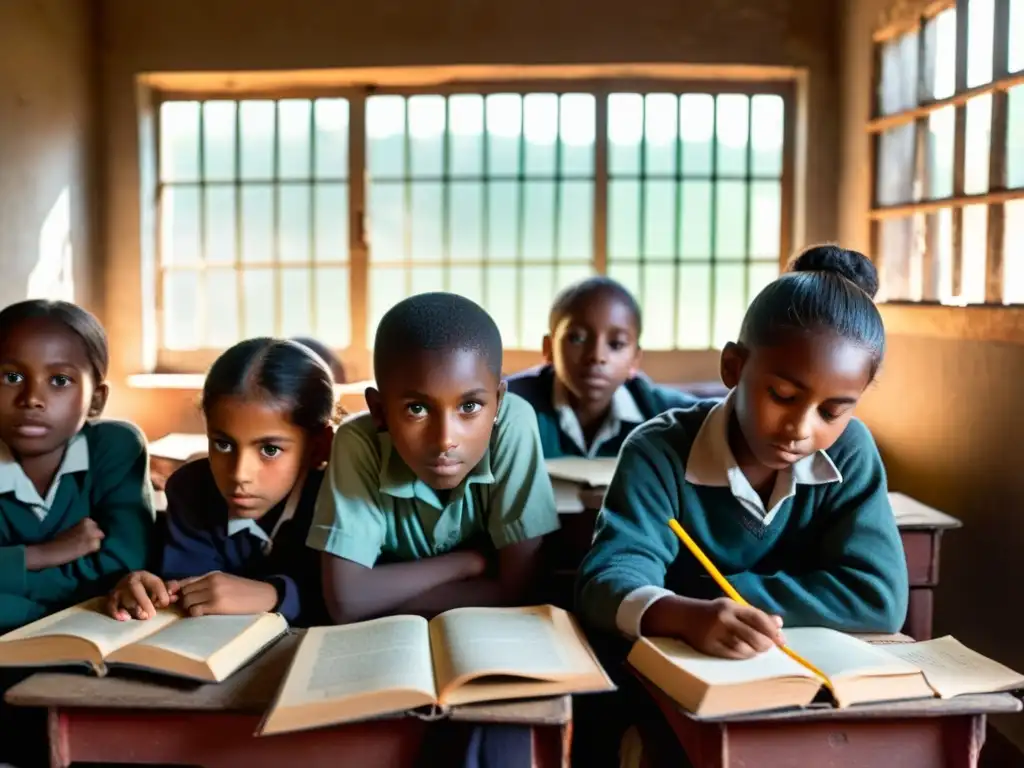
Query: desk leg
x: 552, y: 746
x: 57, y: 731
x: 919, y: 613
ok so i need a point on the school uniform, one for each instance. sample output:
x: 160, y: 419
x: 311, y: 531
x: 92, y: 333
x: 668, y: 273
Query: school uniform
x: 104, y: 475
x: 824, y: 551
x: 633, y: 403
x: 201, y: 538
x: 373, y: 506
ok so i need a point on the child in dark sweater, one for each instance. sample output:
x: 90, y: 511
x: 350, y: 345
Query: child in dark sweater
x: 590, y: 394
x: 237, y: 521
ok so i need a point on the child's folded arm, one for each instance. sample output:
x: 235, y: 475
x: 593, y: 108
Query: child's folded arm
x: 858, y: 579
x: 624, y: 572
x: 121, y: 505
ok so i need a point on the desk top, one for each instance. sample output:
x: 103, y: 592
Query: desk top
x: 248, y: 691
x: 912, y: 514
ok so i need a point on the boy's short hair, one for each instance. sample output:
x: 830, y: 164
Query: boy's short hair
x: 572, y: 295
x: 435, y: 322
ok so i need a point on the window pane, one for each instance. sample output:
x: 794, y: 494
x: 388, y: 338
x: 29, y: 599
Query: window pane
x: 465, y: 220
x: 179, y: 141
x: 731, y: 217
x: 219, y: 140
x: 939, y: 77
x: 220, y: 225
x: 1013, y: 253
x: 504, y: 130
x: 898, y: 83
x: 468, y: 282
x: 896, y: 165
x: 696, y: 129
x: 659, y: 219
x: 658, y: 301
x: 257, y: 146
x: 940, y: 241
x: 333, y: 325
x: 540, y: 125
x: 181, y: 310
x: 179, y: 225
x: 331, y: 125
x: 732, y: 129
x: 259, y: 302
x: 975, y: 246
x: 221, y: 308
x: 386, y: 221
x: 1016, y: 53
x: 502, y: 297
x: 330, y: 235
x: 503, y: 220
x: 576, y: 131
x: 536, y: 301
x: 427, y: 237
x: 294, y: 125
x: 257, y: 223
x: 576, y: 221
x: 940, y: 152
x: 623, y: 219
x: 539, y: 220
x: 695, y: 211
x: 625, y: 130
x: 387, y: 287
x: 976, y: 144
x: 767, y: 115
x: 730, y: 302
x: 694, y: 290
x: 759, y: 277
x: 466, y: 128
x: 1015, y: 137
x: 427, y: 124
x: 661, y: 132
x: 766, y: 220
x: 897, y: 246
x: 980, y: 17
x: 294, y: 223
x: 385, y: 136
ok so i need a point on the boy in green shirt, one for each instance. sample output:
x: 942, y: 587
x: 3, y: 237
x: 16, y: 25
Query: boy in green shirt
x: 443, y: 470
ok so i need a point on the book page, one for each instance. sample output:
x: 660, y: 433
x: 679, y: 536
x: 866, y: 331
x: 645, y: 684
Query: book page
x: 536, y: 642
x: 88, y: 622
x: 713, y: 670
x: 596, y: 473
x: 952, y: 669
x: 372, y: 656
x: 199, y: 637
x: 839, y: 655
x: 567, y: 497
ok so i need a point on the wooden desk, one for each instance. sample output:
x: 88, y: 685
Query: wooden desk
x: 929, y: 733
x: 128, y: 720
x: 921, y: 529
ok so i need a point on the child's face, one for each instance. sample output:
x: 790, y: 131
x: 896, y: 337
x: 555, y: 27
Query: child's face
x: 440, y: 410
x: 595, y: 348
x: 795, y: 398
x: 256, y: 454
x: 47, y: 387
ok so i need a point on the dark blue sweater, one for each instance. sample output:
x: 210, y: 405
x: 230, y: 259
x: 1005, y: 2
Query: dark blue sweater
x: 197, y: 542
x: 536, y: 386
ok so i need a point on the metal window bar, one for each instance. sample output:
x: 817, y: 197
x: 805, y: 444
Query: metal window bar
x: 239, y: 213
x: 641, y: 214
x: 556, y: 207
x: 276, y: 219
x: 996, y: 230
x: 713, y: 232
x: 677, y: 221
x: 201, y: 287
x: 311, y: 241
x: 485, y: 206
x: 749, y: 189
x: 446, y: 202
x: 521, y: 223
x: 959, y: 145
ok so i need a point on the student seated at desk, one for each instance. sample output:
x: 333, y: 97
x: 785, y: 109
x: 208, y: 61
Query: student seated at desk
x: 590, y: 394
x: 75, y: 505
x: 237, y: 520
x: 443, y: 469
x: 779, y: 485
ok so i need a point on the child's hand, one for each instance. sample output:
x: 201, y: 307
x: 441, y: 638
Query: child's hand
x: 219, y: 593
x: 138, y: 596
x: 727, y: 629
x: 82, y: 539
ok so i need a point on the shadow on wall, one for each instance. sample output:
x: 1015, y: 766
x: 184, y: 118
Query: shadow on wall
x: 52, y: 277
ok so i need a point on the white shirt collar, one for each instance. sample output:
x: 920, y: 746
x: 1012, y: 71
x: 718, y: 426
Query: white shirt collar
x: 623, y: 410
x: 14, y: 480
x: 712, y: 463
x: 238, y: 524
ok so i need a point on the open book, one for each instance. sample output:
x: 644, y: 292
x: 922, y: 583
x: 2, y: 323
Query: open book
x: 206, y: 648
x: 463, y: 656
x: 857, y: 673
x: 570, y: 475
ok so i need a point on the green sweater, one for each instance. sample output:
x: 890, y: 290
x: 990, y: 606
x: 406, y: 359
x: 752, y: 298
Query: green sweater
x: 115, y: 492
x: 831, y: 556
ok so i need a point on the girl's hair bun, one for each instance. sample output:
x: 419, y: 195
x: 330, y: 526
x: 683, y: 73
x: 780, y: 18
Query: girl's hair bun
x: 854, y: 266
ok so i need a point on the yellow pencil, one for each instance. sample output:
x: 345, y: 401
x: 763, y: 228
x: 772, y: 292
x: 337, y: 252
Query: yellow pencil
x: 732, y: 594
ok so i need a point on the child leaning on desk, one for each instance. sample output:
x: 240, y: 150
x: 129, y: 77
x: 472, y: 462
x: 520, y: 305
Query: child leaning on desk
x: 237, y: 520
x: 779, y: 485
x: 438, y: 497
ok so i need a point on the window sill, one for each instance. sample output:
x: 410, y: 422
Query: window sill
x: 980, y: 322
x: 193, y: 382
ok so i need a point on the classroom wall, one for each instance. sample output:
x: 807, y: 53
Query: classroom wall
x: 177, y: 35
x: 946, y: 414
x: 47, y: 77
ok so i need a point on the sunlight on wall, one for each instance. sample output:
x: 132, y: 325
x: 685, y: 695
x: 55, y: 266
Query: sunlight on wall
x: 53, y: 276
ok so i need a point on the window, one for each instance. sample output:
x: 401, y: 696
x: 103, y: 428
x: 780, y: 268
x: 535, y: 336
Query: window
x: 504, y: 196
x: 949, y: 155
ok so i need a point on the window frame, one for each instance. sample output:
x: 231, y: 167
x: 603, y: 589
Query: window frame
x: 788, y: 84
x: 998, y: 193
